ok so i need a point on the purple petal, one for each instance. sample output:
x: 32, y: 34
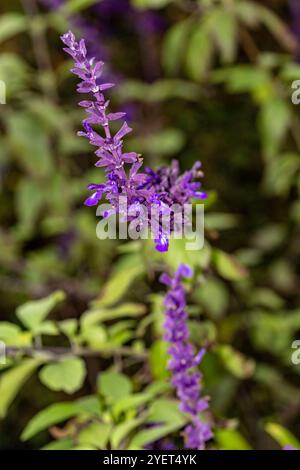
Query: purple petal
x: 125, y: 129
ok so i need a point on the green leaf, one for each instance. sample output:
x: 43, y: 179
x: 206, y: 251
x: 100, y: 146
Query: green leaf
x: 8, y: 331
x: 235, y: 362
x: 84, y: 447
x: 136, y: 400
x: 277, y: 27
x: 274, y: 333
x: 178, y: 254
x: 144, y: 4
x: 266, y: 298
x: 119, y: 284
x: 50, y: 114
x: 122, y: 431
x: 114, y: 386
x: 128, y: 309
x: 273, y: 131
x: 48, y: 328
x: 174, y: 45
x: 247, y: 12
x: 29, y: 201
x: 282, y: 275
x: 243, y: 78
x: 295, y: 212
x: 282, y: 435
x: 30, y: 144
x: 90, y: 405
x: 199, y: 53
x: 158, y: 360
x: 228, y: 266
x: 142, y: 438
x: 32, y: 313
x: 67, y: 375
x: 68, y: 327
x: 214, y: 297
x: 202, y: 332
x: 280, y: 173
x: 166, y: 411
x: 61, y: 444
x: 75, y: 6
x: 95, y: 336
x: 231, y: 439
x: 50, y: 416
x: 122, y: 332
x: 166, y: 142
x: 270, y: 237
x: 21, y: 339
x: 156, y: 388
x: 249, y: 257
x: 96, y: 435
x: 131, y: 402
x: 290, y: 72
x: 11, y: 24
x: 13, y: 380
x: 158, y: 91
x: 223, y: 26
x: 220, y: 221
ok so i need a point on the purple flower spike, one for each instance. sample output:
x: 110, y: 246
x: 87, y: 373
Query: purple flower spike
x: 183, y: 363
x: 162, y: 188
x: 119, y: 182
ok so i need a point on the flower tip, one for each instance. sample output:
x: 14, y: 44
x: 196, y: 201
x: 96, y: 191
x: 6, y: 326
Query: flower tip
x: 185, y: 271
x: 162, y: 244
x: 200, y: 355
x: 92, y: 200
x: 68, y: 38
x: 201, y: 195
x: 162, y: 248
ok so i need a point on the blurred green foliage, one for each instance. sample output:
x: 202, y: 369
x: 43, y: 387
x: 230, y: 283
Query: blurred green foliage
x: 82, y: 318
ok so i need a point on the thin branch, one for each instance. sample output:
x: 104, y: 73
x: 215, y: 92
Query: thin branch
x: 58, y: 352
x: 248, y: 45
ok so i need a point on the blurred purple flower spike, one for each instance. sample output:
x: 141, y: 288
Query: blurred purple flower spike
x: 183, y: 364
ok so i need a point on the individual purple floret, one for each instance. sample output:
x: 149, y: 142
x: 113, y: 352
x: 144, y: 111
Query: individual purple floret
x: 123, y: 176
x: 183, y: 364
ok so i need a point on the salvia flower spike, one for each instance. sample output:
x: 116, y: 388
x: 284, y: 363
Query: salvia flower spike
x: 183, y: 363
x: 161, y: 188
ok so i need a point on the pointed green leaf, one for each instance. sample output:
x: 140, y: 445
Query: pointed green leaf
x: 199, y: 53
x: 282, y: 435
x: 32, y: 313
x: 174, y: 46
x: 13, y: 380
x: 67, y: 375
x: 228, y: 266
x: 114, y: 385
x: 11, y: 24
